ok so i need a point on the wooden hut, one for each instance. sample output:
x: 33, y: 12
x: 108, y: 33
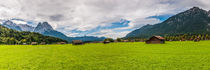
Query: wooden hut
x: 61, y: 42
x: 106, y: 42
x: 77, y: 42
x: 34, y: 43
x: 125, y: 41
x: 42, y: 43
x: 156, y: 40
x: 24, y: 44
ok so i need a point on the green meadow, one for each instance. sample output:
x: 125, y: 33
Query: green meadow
x: 113, y: 56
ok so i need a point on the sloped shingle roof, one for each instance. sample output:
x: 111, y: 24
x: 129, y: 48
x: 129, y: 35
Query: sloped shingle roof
x: 159, y: 37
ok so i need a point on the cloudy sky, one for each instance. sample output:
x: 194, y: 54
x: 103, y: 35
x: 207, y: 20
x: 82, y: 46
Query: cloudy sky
x: 109, y: 18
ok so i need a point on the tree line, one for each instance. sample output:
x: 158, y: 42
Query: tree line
x: 188, y: 37
x: 175, y: 37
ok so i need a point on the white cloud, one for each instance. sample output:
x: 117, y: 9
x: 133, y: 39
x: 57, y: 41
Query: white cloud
x: 110, y: 33
x: 85, y: 15
x: 72, y: 34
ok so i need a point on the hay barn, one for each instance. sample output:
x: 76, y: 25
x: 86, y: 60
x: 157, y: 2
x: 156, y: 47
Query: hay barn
x: 156, y: 40
x: 34, y: 43
x: 42, y: 43
x: 106, y: 42
x: 61, y: 43
x: 77, y: 42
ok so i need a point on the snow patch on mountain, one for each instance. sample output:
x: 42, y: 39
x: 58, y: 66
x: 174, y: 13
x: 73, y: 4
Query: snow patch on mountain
x: 19, y: 22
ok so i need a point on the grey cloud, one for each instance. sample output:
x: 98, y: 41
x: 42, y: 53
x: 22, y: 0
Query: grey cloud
x: 57, y: 17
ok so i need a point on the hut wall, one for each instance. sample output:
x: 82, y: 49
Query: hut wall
x: 155, y: 41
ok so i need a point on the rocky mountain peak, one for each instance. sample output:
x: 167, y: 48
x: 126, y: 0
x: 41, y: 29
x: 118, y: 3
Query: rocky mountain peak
x: 45, y: 25
x: 195, y: 10
x: 209, y: 13
x: 11, y: 25
x: 8, y: 22
x: 42, y: 27
x: 25, y: 27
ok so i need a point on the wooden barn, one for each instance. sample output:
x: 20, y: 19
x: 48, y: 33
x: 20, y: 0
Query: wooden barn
x: 42, y: 43
x: 106, y: 42
x: 156, y: 40
x: 34, y: 43
x: 77, y: 42
x: 61, y: 42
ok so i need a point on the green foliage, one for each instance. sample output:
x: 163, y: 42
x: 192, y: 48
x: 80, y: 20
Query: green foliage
x: 109, y: 39
x: 9, y: 36
x: 188, y: 37
x: 114, y: 56
x: 119, y: 40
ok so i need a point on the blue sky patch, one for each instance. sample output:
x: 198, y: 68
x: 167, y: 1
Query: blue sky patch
x: 119, y: 24
x: 161, y: 17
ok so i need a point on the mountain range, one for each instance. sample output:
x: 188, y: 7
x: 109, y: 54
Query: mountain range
x: 10, y: 36
x: 44, y: 28
x: 192, y: 21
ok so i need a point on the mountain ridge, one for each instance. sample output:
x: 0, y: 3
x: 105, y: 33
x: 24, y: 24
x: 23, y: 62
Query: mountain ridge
x: 192, y: 21
x: 46, y: 29
x: 10, y: 36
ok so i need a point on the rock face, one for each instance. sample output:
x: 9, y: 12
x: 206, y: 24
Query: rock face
x: 192, y: 21
x: 11, y: 25
x: 46, y: 29
x: 42, y: 27
x: 25, y: 27
x: 209, y: 13
x: 19, y: 27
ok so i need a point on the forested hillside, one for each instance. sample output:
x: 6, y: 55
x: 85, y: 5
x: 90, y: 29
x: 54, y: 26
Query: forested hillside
x: 194, y: 21
x: 9, y: 36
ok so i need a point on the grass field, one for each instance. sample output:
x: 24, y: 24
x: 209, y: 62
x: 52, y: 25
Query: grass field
x: 114, y: 56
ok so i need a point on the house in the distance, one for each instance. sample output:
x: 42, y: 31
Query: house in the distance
x: 34, y: 43
x: 106, y: 42
x: 61, y: 42
x: 42, y: 43
x: 77, y: 42
x: 156, y: 40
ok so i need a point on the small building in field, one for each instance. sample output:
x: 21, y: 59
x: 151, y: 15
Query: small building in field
x: 77, y: 42
x: 34, y: 43
x: 24, y: 44
x: 197, y: 39
x: 132, y: 40
x: 156, y: 40
x: 61, y: 42
x: 125, y: 41
x: 106, y: 42
x: 42, y: 43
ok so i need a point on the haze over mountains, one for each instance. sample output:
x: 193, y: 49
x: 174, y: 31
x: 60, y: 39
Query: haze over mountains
x: 192, y: 21
x: 45, y: 29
